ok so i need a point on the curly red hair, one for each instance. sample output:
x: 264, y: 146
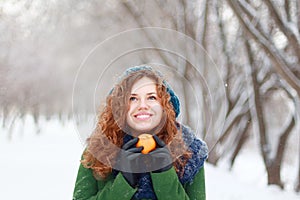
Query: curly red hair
x: 107, y: 138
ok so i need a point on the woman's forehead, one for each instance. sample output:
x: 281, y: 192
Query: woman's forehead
x: 144, y: 84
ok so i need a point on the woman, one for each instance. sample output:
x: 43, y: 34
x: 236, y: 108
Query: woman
x: 113, y: 167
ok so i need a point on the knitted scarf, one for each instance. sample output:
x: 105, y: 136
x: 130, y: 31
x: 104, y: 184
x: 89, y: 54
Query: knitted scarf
x: 199, y: 155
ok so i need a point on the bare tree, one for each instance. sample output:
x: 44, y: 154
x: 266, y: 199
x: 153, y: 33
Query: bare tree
x: 264, y: 32
x: 254, y: 44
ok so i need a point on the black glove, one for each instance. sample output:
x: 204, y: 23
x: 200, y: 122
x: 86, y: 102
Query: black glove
x: 161, y: 159
x: 129, y: 161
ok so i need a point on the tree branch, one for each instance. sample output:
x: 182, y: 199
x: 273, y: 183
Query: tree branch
x: 282, y: 141
x: 292, y: 38
x: 279, y: 64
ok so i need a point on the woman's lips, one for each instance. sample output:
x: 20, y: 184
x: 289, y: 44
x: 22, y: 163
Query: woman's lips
x: 143, y: 116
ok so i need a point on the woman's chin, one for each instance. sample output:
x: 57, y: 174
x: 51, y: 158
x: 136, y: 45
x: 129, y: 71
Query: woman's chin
x: 139, y: 131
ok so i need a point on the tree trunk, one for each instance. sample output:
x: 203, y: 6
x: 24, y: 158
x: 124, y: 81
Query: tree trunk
x: 274, y: 175
x: 272, y: 167
x: 297, y: 189
x: 242, y: 140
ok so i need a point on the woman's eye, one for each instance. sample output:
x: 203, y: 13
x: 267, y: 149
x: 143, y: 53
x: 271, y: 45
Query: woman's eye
x: 132, y: 99
x: 152, y: 98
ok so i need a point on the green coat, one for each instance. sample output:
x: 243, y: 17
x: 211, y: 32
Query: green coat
x: 166, y: 186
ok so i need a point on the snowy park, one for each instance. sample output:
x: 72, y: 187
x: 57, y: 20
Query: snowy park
x: 44, y: 166
x: 234, y: 65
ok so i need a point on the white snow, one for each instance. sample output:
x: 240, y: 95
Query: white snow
x: 44, y: 166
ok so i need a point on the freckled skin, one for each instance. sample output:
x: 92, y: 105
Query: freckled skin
x: 145, y: 111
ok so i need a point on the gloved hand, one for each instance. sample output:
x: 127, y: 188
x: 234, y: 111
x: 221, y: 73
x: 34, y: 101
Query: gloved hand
x: 129, y: 161
x: 161, y: 159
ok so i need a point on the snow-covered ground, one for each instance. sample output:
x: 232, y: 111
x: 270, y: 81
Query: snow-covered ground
x: 44, y: 166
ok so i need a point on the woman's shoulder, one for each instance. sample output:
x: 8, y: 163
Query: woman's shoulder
x: 199, y: 151
x: 194, y: 143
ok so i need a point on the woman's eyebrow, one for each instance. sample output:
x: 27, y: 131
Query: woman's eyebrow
x: 149, y: 93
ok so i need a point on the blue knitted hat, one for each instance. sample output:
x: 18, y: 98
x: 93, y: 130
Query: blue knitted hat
x: 174, y: 99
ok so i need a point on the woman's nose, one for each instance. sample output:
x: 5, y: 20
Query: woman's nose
x: 143, y: 104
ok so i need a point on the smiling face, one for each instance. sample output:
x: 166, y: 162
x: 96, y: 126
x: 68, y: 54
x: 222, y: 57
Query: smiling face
x: 145, y: 111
